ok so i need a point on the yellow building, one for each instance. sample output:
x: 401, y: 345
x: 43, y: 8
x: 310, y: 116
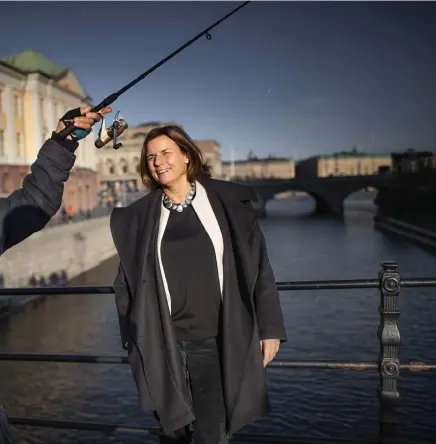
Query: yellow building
x: 277, y: 168
x: 34, y: 94
x: 342, y: 164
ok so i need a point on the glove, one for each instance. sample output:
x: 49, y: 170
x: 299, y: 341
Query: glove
x: 67, y: 118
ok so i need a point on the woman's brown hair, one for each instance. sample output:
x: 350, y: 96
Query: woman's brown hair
x: 198, y: 168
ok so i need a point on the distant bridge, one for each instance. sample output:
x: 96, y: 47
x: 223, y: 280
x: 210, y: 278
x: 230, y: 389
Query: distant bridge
x: 329, y: 193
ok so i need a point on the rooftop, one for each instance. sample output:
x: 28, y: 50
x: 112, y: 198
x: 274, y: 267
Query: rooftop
x: 254, y: 160
x: 30, y: 61
x: 146, y: 124
x: 345, y: 155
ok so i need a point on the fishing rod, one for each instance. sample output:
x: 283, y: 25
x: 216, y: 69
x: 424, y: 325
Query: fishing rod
x: 120, y: 125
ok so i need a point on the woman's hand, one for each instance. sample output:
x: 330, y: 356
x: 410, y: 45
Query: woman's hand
x: 269, y: 348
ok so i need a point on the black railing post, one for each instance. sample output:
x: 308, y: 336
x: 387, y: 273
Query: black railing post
x: 389, y: 364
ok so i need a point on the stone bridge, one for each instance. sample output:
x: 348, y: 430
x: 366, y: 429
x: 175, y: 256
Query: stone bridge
x: 329, y: 193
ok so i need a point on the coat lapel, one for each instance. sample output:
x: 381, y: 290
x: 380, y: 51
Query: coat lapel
x: 147, y: 224
x: 240, y: 217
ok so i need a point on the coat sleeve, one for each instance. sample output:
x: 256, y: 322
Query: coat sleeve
x: 28, y: 209
x: 266, y: 296
x: 123, y: 303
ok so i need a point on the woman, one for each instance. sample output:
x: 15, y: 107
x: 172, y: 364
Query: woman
x: 196, y: 295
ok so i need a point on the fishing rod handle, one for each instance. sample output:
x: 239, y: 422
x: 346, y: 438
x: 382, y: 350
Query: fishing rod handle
x: 78, y: 133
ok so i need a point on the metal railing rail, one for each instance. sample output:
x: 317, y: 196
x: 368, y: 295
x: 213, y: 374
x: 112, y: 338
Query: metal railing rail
x: 388, y: 365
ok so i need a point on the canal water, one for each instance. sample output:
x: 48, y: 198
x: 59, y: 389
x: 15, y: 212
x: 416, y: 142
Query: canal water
x: 339, y: 325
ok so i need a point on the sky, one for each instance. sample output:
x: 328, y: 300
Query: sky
x: 292, y: 79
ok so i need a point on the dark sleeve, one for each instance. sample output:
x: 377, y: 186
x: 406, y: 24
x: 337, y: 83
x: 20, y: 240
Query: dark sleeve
x: 123, y: 302
x: 28, y: 209
x: 266, y: 297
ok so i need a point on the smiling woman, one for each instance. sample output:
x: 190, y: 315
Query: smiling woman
x: 199, y: 310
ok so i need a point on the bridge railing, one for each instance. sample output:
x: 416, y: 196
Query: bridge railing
x: 388, y: 365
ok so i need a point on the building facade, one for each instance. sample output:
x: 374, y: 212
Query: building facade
x: 119, y: 169
x: 34, y: 94
x: 412, y: 161
x: 342, y: 164
x: 269, y: 168
x: 211, y: 150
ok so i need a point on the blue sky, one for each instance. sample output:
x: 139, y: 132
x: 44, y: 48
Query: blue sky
x: 289, y: 78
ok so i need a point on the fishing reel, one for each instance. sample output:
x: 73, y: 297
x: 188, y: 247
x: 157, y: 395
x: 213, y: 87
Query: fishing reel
x: 105, y: 135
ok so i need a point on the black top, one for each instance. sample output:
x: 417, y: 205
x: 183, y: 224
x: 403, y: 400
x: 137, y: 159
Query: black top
x: 189, y: 262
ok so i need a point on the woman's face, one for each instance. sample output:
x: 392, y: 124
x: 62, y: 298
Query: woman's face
x: 166, y: 161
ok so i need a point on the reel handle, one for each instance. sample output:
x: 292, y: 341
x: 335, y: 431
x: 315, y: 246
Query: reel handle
x: 105, y: 135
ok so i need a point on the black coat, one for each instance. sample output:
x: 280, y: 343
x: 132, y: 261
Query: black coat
x: 251, y: 308
x: 28, y: 209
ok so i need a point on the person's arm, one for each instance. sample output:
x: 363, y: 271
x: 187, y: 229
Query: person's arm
x: 266, y: 297
x: 28, y: 209
x: 269, y: 314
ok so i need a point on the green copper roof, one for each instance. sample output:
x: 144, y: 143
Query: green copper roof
x: 32, y: 61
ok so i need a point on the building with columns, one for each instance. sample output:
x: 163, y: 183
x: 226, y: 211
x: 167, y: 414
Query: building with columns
x: 34, y: 94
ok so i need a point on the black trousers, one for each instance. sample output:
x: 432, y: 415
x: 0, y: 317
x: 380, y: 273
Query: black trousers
x: 202, y: 367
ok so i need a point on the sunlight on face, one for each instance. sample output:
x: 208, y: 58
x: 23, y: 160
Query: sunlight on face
x: 166, y: 161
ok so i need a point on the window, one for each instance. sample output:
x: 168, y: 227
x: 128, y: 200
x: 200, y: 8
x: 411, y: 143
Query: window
x: 41, y: 108
x: 6, y: 183
x: 1, y: 100
x: 18, y: 106
x: 2, y: 142
x: 124, y: 166
x: 18, y: 141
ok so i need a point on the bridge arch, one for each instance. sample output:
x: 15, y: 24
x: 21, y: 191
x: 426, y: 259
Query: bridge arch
x: 299, y: 203
x: 329, y: 194
x: 363, y: 194
x: 320, y: 204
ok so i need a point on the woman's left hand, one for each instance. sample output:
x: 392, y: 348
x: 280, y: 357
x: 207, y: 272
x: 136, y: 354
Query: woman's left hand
x: 269, y: 348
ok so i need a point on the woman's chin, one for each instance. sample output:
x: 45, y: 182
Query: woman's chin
x: 164, y: 179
